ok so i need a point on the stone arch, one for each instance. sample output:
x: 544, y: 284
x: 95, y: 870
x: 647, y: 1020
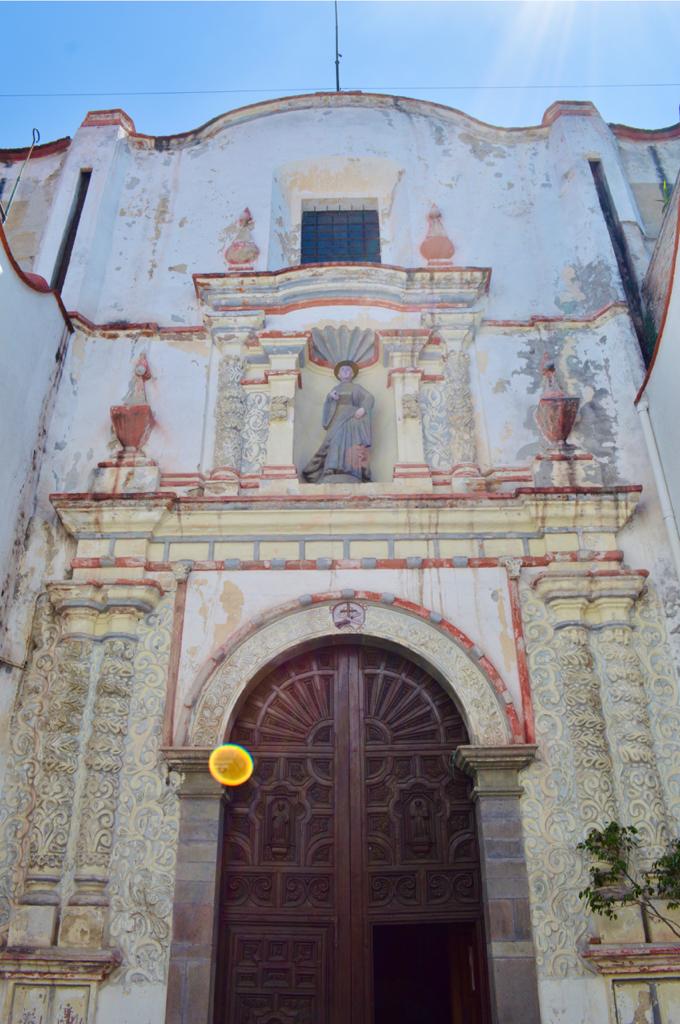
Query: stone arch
x: 464, y: 671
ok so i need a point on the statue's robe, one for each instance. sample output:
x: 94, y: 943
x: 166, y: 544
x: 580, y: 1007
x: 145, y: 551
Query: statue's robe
x: 348, y: 439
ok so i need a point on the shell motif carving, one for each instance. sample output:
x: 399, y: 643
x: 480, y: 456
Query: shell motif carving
x: 331, y: 345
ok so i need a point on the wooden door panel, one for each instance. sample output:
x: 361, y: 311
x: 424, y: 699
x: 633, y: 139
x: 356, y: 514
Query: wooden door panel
x: 352, y: 820
x: 278, y: 975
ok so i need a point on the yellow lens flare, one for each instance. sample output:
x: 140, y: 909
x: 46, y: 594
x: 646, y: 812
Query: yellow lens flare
x: 230, y: 764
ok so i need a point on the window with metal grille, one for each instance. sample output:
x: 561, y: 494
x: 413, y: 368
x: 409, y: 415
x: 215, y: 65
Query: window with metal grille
x: 340, y: 236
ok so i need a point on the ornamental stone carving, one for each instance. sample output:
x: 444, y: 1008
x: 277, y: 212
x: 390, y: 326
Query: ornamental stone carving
x: 229, y: 413
x: 103, y: 763
x: 460, y: 408
x: 625, y: 701
x: 464, y: 680
x: 58, y: 755
x: 410, y: 406
x: 550, y: 810
x: 592, y: 760
x: 436, y: 423
x: 142, y: 875
x: 279, y: 406
x: 23, y: 767
x: 255, y: 431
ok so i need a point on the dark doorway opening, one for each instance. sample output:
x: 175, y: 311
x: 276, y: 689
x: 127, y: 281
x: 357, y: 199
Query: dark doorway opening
x: 426, y: 974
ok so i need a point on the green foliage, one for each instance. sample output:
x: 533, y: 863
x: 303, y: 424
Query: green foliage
x: 666, y: 193
x: 615, y: 882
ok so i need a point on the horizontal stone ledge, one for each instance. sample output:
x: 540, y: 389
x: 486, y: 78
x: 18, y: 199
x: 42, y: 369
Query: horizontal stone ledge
x: 652, y: 958
x: 58, y: 963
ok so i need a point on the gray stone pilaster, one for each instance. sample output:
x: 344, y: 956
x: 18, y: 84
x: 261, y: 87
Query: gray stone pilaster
x: 509, y: 942
x: 193, y: 954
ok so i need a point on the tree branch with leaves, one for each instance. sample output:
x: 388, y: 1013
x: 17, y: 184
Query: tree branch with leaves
x: 615, y: 881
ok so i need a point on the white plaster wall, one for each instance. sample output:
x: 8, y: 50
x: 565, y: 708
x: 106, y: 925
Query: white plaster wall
x: 32, y: 332
x: 473, y: 600
x: 97, y: 375
x: 662, y: 394
x: 32, y: 201
x: 155, y: 216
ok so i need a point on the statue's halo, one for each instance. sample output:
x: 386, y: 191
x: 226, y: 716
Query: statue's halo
x: 345, y: 362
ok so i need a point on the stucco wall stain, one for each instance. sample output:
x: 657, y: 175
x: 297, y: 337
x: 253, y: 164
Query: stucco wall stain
x: 580, y: 374
x: 585, y: 287
x: 482, y: 150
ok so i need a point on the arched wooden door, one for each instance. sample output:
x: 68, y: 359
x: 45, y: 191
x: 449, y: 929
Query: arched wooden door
x: 350, y: 879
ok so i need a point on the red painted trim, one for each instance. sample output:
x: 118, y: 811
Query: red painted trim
x: 30, y: 280
x: 569, y: 108
x: 309, y: 564
x: 174, y: 659
x: 538, y: 318
x: 123, y: 327
x: 522, y: 662
x: 266, y: 108
x: 625, y: 131
x: 116, y: 116
x: 667, y: 303
x: 170, y: 497
x: 8, y: 156
x: 459, y: 637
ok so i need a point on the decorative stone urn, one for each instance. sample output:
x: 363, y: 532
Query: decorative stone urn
x: 243, y: 251
x: 556, y: 412
x: 133, y: 420
x: 437, y: 248
x: 130, y: 471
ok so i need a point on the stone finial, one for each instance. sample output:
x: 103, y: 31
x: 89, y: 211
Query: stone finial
x: 556, y: 412
x: 133, y: 420
x: 243, y: 251
x: 437, y: 246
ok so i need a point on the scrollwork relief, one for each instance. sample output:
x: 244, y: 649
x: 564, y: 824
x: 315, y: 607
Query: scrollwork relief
x: 58, y: 756
x: 630, y: 735
x: 592, y: 760
x: 550, y: 809
x: 143, y: 863
x: 460, y: 408
x: 18, y: 790
x: 229, y: 413
x: 103, y: 755
x: 661, y: 681
x: 255, y: 432
x: 436, y: 426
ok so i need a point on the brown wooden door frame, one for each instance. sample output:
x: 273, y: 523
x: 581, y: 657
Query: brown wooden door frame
x: 351, y: 965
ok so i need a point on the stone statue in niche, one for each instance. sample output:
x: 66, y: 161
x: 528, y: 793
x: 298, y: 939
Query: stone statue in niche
x: 346, y: 417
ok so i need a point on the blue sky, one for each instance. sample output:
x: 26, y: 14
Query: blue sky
x: 254, y: 50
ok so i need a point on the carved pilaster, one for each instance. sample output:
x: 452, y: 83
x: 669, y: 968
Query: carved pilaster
x: 567, y: 599
x: 283, y: 352
x: 58, y: 758
x: 456, y: 333
x: 625, y: 702
x: 255, y: 430
x: 605, y: 700
x: 103, y: 763
x: 403, y: 351
x: 75, y: 781
x: 229, y: 413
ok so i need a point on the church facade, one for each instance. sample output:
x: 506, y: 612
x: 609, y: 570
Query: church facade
x: 327, y: 445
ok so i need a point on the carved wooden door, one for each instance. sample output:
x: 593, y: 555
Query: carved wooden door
x: 350, y: 823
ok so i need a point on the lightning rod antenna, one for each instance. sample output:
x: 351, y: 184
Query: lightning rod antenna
x: 338, y: 55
